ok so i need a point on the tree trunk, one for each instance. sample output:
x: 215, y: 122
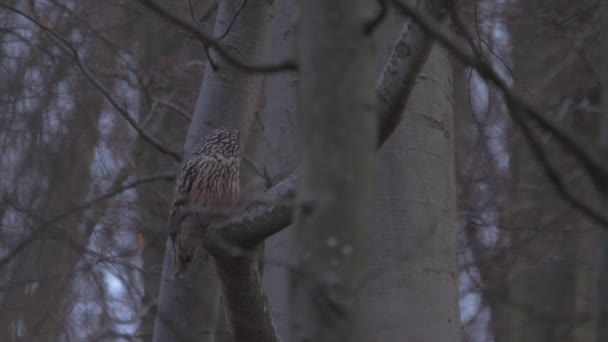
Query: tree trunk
x: 338, y: 137
x: 277, y: 153
x: 188, y: 308
x: 412, y: 285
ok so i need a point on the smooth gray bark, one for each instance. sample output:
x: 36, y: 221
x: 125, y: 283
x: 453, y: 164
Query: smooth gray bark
x: 397, y: 79
x: 337, y: 136
x: 246, y: 306
x: 413, y: 290
x: 278, y: 155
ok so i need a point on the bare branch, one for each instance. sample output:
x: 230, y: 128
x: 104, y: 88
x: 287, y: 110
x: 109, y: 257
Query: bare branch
x: 220, y: 49
x: 553, y: 175
x: 166, y: 176
x: 236, y: 15
x: 177, y: 108
x: 401, y: 70
x: 256, y: 223
x: 249, y: 310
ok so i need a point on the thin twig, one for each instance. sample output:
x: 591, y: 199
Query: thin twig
x: 206, y: 46
x: 553, y: 175
x: 179, y: 110
x: 191, y: 11
x: 227, y: 30
x: 166, y: 176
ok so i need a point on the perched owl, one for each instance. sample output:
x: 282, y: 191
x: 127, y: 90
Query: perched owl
x: 207, y: 184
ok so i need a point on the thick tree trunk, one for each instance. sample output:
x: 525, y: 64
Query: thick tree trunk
x: 412, y: 286
x: 188, y: 308
x: 338, y: 136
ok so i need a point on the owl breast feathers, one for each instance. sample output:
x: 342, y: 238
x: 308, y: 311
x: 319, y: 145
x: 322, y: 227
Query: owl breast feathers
x: 207, y: 184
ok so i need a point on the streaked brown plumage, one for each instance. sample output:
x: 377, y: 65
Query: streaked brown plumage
x: 207, y: 184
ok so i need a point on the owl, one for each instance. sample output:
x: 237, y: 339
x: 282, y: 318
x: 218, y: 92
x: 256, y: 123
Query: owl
x: 207, y: 185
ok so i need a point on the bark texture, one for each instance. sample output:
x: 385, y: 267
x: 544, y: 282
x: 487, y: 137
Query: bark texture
x: 278, y: 153
x: 413, y: 291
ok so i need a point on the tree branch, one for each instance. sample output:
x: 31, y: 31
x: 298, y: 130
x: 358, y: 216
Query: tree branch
x: 219, y: 48
x: 401, y: 70
x: 248, y: 310
x: 256, y: 223
x: 236, y: 15
x: 553, y: 175
x: 166, y: 176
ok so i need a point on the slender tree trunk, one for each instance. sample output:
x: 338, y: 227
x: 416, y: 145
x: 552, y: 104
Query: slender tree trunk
x: 338, y: 136
x: 188, y: 308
